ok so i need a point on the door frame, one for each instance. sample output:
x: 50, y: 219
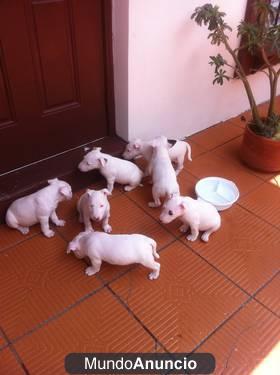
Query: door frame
x: 109, y: 66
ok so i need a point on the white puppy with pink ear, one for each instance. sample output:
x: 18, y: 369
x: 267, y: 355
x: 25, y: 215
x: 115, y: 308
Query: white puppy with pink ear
x: 94, y: 205
x: 193, y: 213
x: 164, y: 179
x: 177, y: 152
x: 39, y: 207
x: 113, y: 169
x: 119, y: 249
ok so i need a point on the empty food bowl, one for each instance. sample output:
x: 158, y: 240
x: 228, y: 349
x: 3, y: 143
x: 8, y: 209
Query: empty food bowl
x: 222, y: 193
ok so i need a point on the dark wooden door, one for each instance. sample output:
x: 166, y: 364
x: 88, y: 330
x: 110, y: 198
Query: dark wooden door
x: 52, y: 78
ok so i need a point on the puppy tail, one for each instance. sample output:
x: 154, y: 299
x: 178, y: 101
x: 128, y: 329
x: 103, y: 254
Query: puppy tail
x: 154, y: 249
x: 189, y: 150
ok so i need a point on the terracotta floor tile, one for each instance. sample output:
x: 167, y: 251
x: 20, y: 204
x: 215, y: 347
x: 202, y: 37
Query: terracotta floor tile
x: 67, y: 209
x: 196, y: 150
x: 2, y: 342
x: 211, y: 165
x: 126, y: 218
x: 247, y: 344
x: 99, y: 324
x: 38, y: 280
x: 230, y: 152
x: 142, y: 195
x: 270, y: 296
x: 185, y: 304
x: 10, y: 237
x: 9, y: 364
x: 216, y: 135
x: 264, y: 202
x: 245, y: 248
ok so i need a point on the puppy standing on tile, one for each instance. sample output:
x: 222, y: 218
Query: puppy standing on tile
x: 94, y: 205
x: 164, y: 179
x: 39, y: 207
x: 143, y: 148
x: 113, y: 169
x: 118, y: 249
x: 193, y: 213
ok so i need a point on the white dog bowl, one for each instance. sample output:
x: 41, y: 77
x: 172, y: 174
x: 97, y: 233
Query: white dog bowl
x: 220, y: 192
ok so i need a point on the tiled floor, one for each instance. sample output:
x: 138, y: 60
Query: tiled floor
x: 221, y: 297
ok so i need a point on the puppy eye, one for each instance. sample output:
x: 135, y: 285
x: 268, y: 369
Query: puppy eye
x: 102, y: 205
x: 170, y: 212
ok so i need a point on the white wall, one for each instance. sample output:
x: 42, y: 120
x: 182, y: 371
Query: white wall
x: 170, y: 87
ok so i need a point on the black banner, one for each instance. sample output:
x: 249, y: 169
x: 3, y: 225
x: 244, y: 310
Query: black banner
x: 139, y: 363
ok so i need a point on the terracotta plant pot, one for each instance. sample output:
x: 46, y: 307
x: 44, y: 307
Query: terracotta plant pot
x: 259, y: 152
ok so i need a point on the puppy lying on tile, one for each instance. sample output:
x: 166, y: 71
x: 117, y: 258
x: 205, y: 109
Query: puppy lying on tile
x: 164, y: 179
x: 143, y: 148
x: 39, y: 207
x: 94, y: 205
x: 113, y: 169
x: 193, y: 213
x: 119, y: 249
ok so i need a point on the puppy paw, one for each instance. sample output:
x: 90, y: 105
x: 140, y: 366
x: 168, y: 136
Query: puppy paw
x: 90, y: 271
x: 205, y: 237
x: 153, y: 204
x: 49, y: 233
x: 153, y: 275
x: 129, y: 188
x: 183, y: 228
x: 190, y: 237
x: 60, y: 223
x: 24, y: 230
x: 107, y: 228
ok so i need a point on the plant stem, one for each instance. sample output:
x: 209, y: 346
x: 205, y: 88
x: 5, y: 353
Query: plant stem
x: 242, y: 75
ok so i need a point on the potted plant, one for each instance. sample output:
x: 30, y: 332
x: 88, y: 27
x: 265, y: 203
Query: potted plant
x: 261, y: 142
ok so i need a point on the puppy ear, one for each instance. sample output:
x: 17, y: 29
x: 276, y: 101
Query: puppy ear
x: 64, y: 191
x: 71, y: 247
x: 106, y: 192
x: 96, y: 148
x: 103, y: 161
x: 52, y: 180
x: 136, y: 145
x: 183, y: 205
x: 89, y: 192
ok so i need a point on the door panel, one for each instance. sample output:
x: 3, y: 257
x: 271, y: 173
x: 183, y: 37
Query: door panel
x: 52, y: 83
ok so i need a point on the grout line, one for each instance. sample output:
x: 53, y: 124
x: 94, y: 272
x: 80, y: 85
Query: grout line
x: 14, y: 352
x: 228, y: 278
x: 154, y: 219
x: 215, y: 268
x: 251, y: 298
x: 57, y: 315
x: 257, y: 216
x: 120, y: 300
x: 9, y: 247
x: 219, y: 326
x: 265, y: 285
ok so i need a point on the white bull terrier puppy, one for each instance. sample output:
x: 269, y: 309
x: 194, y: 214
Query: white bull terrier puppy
x: 113, y: 169
x: 164, y: 179
x: 143, y: 148
x: 193, y: 213
x: 94, y: 205
x: 119, y: 249
x: 39, y: 207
